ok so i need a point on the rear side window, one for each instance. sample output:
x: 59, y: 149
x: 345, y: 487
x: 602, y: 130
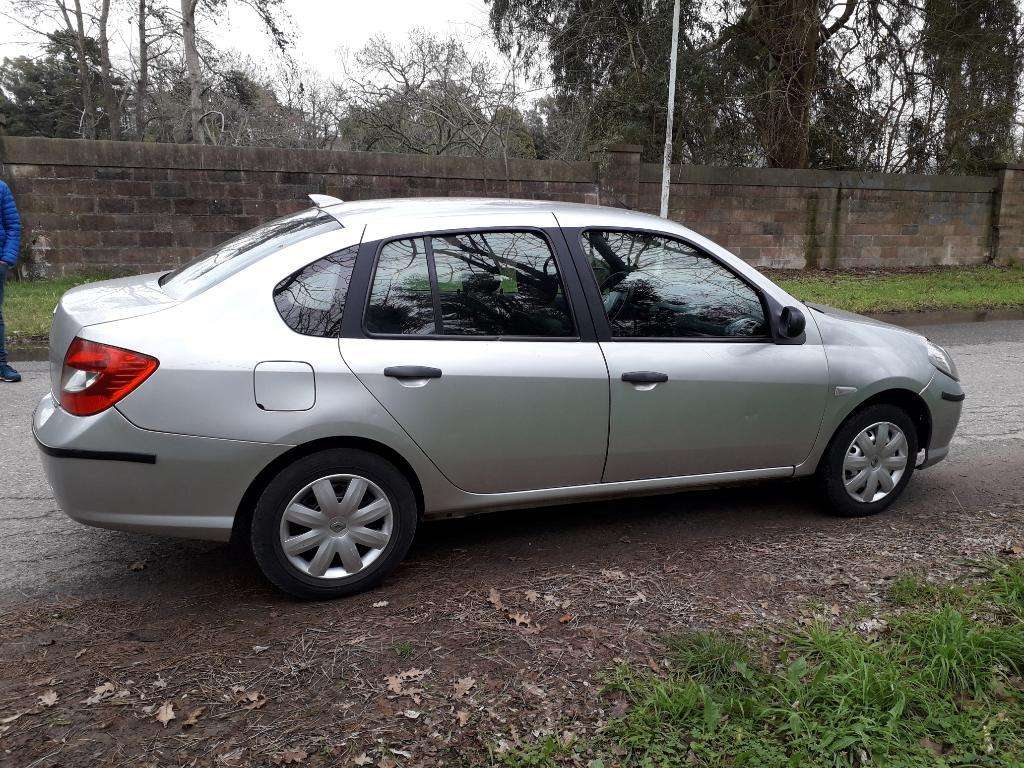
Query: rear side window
x: 488, y: 284
x: 218, y: 263
x: 312, y: 300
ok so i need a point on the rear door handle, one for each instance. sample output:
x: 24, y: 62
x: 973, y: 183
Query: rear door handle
x: 412, y: 372
x: 645, y: 377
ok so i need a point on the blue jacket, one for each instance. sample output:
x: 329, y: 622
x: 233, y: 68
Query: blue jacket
x: 10, y: 227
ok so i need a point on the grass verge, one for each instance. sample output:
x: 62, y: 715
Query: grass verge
x: 936, y: 683
x: 28, y: 305
x: 985, y: 287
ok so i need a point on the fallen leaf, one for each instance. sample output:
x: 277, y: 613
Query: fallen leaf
x: 45, y: 681
x: 463, y: 717
x: 536, y: 690
x: 99, y: 693
x: 231, y: 758
x: 532, y: 595
x: 165, y: 714
x: 395, y: 684
x: 258, y: 649
x: 137, y: 566
x: 639, y: 597
x: 362, y: 760
x: 381, y: 604
x: 248, y: 699
x: 494, y: 598
x: 193, y: 717
x: 81, y: 653
x: 565, y: 619
x: 48, y: 698
x: 521, y: 619
x: 934, y: 747
x: 289, y: 756
x: 613, y: 574
x: 412, y: 714
x: 159, y: 683
x: 462, y: 686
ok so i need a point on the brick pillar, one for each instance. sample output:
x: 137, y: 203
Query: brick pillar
x: 618, y: 176
x: 1008, y: 217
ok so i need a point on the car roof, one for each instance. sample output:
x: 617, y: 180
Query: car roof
x: 366, y: 211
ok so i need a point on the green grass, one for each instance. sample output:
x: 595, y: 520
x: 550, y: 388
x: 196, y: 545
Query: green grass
x: 28, y: 304
x: 934, y: 289
x: 941, y: 686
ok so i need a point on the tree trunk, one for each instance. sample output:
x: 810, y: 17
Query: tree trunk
x: 84, y: 75
x: 188, y: 34
x: 142, y: 84
x: 110, y: 103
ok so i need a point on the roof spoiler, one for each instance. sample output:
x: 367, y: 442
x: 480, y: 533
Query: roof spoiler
x: 325, y: 203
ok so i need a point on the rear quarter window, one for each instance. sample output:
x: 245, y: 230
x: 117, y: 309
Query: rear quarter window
x: 311, y: 301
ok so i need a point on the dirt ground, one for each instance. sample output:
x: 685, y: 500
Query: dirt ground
x: 496, y: 630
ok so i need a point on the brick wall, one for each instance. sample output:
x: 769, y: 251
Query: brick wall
x: 122, y: 206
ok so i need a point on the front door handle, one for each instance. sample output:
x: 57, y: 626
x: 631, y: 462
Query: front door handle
x: 412, y: 372
x: 645, y: 377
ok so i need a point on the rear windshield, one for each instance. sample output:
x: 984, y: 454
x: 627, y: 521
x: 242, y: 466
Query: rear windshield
x: 214, y: 265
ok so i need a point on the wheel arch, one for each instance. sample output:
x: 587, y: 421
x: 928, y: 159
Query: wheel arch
x: 907, y: 400
x: 243, y: 514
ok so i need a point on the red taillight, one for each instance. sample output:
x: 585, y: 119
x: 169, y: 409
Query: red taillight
x: 96, y: 376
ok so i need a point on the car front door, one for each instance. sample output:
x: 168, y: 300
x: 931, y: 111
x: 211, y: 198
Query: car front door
x: 697, y: 384
x: 472, y: 342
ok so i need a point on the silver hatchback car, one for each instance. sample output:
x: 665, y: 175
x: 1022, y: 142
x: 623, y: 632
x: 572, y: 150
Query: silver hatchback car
x: 317, y: 386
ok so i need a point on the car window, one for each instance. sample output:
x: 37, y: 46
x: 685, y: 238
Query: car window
x: 218, y: 263
x: 311, y: 300
x: 499, y: 284
x: 400, y: 299
x: 485, y: 284
x: 658, y: 287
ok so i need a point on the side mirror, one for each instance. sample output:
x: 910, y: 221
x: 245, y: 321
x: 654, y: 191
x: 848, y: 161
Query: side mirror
x: 791, y: 322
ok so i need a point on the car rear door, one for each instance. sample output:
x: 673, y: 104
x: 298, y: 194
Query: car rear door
x: 697, y: 384
x: 471, y: 335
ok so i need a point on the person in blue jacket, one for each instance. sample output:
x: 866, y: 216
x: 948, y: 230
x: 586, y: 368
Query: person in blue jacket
x: 10, y: 241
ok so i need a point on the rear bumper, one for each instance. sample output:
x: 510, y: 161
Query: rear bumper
x: 944, y: 397
x: 106, y: 472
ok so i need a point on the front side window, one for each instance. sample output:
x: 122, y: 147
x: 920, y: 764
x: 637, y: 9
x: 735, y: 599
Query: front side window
x: 223, y: 260
x: 489, y: 284
x: 312, y: 300
x: 653, y: 286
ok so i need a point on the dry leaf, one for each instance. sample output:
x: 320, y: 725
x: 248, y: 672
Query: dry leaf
x: 532, y: 595
x: 193, y: 717
x: 565, y: 619
x: 48, y: 698
x: 248, y: 699
x: 395, y: 684
x: 494, y: 598
x: 933, y: 746
x: 81, y: 653
x: 412, y: 714
x: 613, y: 574
x: 362, y: 760
x: 639, y: 597
x: 521, y: 619
x: 45, y: 681
x: 137, y: 566
x: 258, y: 649
x: 381, y: 604
x: 462, y: 686
x: 289, y: 756
x: 463, y: 717
x: 165, y: 714
x: 231, y: 758
x: 535, y: 690
x: 159, y: 683
x: 99, y: 693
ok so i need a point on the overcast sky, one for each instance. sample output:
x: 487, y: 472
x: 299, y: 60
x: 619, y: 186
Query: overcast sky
x: 320, y: 27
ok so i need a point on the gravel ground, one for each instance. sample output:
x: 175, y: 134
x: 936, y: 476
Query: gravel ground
x: 191, y: 626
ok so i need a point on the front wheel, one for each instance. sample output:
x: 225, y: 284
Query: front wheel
x: 333, y: 524
x: 869, y: 461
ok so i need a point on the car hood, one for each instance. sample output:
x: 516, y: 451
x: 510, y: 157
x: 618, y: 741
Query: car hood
x: 853, y: 317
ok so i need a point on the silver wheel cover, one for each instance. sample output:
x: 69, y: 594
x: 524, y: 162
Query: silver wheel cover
x: 336, y: 526
x: 875, y: 462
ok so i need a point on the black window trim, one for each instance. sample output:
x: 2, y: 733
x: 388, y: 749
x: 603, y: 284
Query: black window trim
x: 563, y: 262
x: 574, y: 237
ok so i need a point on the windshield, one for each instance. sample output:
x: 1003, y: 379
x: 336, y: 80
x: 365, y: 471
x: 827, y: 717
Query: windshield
x: 218, y: 263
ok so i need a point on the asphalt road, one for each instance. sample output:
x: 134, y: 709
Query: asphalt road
x: 45, y: 555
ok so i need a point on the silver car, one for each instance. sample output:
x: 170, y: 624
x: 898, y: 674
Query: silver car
x: 319, y: 385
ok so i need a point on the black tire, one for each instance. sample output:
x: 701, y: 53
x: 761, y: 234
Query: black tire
x: 265, y: 535
x: 830, y: 471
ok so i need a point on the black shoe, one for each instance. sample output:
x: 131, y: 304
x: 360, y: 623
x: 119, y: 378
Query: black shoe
x: 7, y: 373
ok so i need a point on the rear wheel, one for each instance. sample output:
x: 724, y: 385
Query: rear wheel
x: 869, y: 461
x: 333, y: 524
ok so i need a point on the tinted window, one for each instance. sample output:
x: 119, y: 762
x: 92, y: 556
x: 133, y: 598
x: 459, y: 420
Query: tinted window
x: 657, y: 287
x: 226, y: 259
x: 499, y: 284
x: 312, y: 300
x: 400, y: 300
